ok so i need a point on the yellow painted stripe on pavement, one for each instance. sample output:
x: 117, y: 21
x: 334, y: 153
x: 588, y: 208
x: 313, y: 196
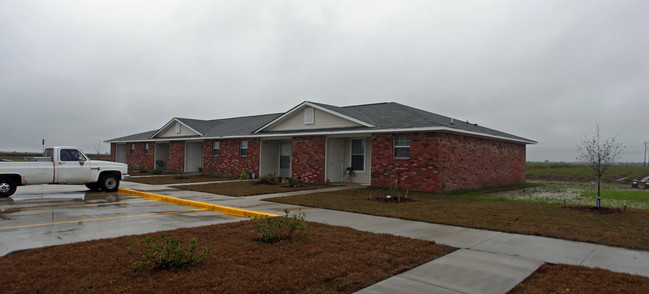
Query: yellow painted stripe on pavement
x: 73, y: 205
x: 98, y: 219
x: 208, y: 206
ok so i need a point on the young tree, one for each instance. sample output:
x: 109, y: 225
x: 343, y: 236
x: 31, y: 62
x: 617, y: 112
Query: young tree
x: 599, y: 153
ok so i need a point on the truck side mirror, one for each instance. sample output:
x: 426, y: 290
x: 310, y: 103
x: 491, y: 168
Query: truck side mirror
x: 82, y: 160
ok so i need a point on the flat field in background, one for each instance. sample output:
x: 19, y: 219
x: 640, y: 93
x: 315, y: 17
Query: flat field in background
x: 582, y: 172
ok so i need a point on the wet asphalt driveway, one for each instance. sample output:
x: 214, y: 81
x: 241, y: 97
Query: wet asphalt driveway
x: 43, y: 215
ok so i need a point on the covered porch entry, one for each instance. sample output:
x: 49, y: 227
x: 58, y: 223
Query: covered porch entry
x: 341, y: 153
x: 162, y: 155
x: 276, y: 157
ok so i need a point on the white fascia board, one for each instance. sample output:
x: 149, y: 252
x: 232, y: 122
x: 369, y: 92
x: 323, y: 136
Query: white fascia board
x: 175, y: 119
x: 350, y: 132
x: 306, y: 103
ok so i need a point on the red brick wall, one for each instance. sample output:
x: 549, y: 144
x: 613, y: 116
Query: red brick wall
x: 176, y: 156
x: 230, y: 162
x: 113, y: 152
x: 308, y: 158
x: 138, y: 158
x: 446, y: 162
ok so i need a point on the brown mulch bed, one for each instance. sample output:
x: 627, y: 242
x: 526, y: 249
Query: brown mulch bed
x: 327, y: 259
x: 177, y: 179
x: 629, y: 229
x: 601, y: 210
x: 392, y: 200
x: 563, y: 278
x: 248, y: 188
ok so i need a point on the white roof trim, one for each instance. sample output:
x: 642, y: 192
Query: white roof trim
x: 307, y: 103
x: 344, y: 132
x: 175, y: 119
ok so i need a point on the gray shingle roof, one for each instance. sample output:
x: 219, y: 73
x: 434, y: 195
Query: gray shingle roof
x: 348, y: 111
x: 134, y: 138
x: 388, y: 116
x: 392, y: 115
x: 238, y: 126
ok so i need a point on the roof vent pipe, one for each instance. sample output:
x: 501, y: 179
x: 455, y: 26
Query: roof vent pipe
x: 451, y: 120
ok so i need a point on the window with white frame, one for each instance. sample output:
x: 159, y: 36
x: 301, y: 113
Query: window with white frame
x: 146, y: 149
x: 309, y: 116
x: 132, y: 148
x: 243, y: 149
x: 358, y: 154
x: 401, y: 146
x: 216, y: 148
x: 178, y: 128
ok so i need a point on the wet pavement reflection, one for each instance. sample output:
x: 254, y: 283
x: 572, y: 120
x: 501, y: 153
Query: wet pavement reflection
x: 37, y: 216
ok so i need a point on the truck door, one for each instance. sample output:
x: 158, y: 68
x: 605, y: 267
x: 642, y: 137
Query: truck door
x: 72, y: 167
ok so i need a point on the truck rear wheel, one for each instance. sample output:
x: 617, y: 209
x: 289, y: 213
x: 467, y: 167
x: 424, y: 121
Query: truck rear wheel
x: 109, y: 183
x: 7, y: 187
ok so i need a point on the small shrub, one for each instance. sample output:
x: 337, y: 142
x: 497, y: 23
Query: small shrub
x: 271, y: 177
x: 266, y: 181
x: 157, y: 171
x: 142, y: 169
x: 290, y: 182
x: 275, y: 229
x: 246, y: 173
x: 166, y: 253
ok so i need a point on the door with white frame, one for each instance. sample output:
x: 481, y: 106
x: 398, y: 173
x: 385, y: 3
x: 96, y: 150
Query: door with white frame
x: 193, y: 157
x: 335, y: 166
x: 120, y: 153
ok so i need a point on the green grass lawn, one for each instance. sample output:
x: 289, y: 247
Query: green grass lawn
x: 582, y: 172
x: 477, y: 209
x: 573, y: 193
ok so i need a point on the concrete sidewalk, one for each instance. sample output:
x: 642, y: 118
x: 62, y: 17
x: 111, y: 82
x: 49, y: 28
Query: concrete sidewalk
x: 487, y: 262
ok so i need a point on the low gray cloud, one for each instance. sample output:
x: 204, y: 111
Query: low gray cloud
x: 80, y: 72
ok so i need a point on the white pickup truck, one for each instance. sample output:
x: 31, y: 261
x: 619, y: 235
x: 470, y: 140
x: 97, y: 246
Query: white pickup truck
x: 62, y: 165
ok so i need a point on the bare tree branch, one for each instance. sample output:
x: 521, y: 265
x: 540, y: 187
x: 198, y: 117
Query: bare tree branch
x: 599, y: 153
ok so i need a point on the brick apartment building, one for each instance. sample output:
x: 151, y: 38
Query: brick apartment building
x: 382, y: 143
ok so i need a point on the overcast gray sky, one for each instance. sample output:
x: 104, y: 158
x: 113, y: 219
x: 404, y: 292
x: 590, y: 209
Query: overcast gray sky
x: 81, y: 72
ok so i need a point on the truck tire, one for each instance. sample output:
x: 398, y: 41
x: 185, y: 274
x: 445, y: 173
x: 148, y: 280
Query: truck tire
x: 109, y: 183
x: 7, y: 187
x: 93, y: 187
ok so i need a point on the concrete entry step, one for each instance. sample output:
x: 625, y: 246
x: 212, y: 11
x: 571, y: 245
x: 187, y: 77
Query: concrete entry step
x: 463, y: 271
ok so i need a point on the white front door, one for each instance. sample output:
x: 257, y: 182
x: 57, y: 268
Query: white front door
x: 194, y: 157
x: 285, y: 159
x: 335, y: 150
x: 120, y: 153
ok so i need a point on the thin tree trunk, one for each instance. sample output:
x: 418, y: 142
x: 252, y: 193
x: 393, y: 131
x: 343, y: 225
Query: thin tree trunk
x: 599, y: 180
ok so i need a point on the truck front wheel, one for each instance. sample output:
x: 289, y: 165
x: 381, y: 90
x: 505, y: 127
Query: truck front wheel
x: 7, y: 187
x: 109, y: 183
